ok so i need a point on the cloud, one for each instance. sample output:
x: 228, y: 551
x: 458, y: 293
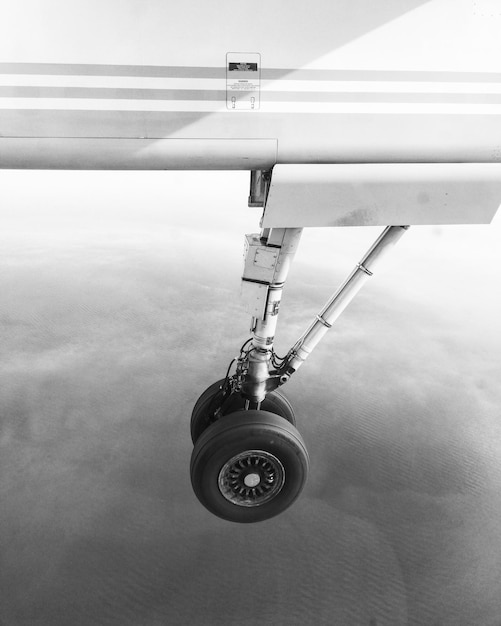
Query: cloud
x: 111, y: 330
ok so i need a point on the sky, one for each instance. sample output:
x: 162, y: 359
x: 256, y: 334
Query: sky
x: 120, y: 305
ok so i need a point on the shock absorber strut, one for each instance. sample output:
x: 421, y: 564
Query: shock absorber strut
x: 268, y: 257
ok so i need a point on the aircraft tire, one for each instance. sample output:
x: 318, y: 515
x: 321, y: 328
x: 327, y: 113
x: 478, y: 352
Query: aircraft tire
x: 249, y: 466
x: 275, y: 402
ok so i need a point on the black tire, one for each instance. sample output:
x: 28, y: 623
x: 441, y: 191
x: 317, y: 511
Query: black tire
x: 275, y: 402
x: 249, y: 466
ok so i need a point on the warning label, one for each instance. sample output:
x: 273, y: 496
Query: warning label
x: 243, y: 80
x: 242, y: 67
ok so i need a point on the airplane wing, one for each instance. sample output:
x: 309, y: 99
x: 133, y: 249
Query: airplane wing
x: 339, y: 83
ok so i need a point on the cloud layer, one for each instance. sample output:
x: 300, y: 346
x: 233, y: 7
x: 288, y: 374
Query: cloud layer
x: 112, y: 327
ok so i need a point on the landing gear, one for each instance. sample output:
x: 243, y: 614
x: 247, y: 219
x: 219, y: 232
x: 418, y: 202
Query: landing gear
x: 249, y: 466
x: 213, y: 403
x: 249, y: 463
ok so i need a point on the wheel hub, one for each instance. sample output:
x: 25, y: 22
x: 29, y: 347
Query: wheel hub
x: 251, y: 478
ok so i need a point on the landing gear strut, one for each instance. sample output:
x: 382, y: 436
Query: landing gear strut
x: 249, y: 462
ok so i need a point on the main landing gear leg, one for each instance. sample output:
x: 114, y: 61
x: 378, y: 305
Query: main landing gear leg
x: 249, y: 462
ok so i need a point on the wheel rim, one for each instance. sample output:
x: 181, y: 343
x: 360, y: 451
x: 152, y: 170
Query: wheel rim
x: 251, y: 478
